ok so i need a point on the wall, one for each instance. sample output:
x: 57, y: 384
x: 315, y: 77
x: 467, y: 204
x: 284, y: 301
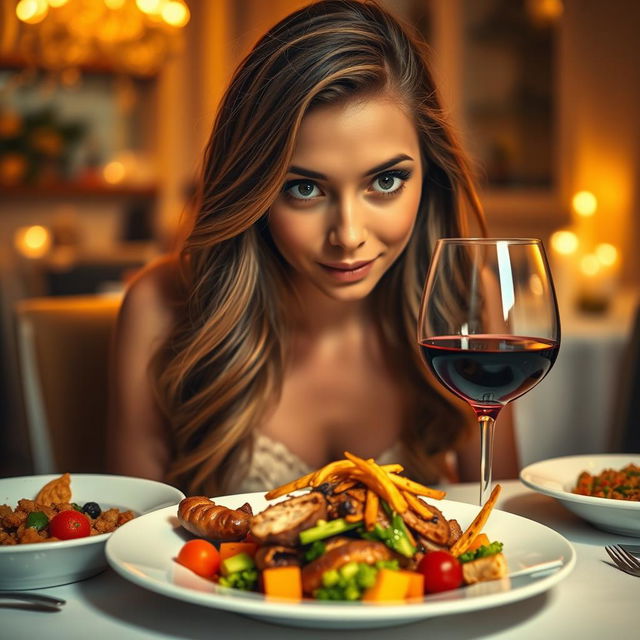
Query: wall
x: 600, y: 118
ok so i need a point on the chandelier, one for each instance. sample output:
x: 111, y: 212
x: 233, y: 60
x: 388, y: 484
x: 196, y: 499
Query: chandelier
x: 127, y: 36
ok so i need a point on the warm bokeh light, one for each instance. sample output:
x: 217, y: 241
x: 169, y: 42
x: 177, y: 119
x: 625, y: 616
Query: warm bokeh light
x: 57, y: 3
x: 32, y: 11
x: 607, y: 254
x: 114, y: 172
x: 175, y: 13
x: 149, y: 6
x: 33, y: 242
x: 590, y: 265
x: 545, y: 10
x: 564, y: 242
x: 584, y: 203
x: 114, y: 4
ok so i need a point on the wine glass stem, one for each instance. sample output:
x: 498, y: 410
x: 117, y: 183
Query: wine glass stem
x: 487, y: 424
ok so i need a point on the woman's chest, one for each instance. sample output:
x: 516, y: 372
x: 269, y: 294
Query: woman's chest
x: 329, y: 405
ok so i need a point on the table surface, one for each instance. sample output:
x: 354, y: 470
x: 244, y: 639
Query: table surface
x: 594, y: 601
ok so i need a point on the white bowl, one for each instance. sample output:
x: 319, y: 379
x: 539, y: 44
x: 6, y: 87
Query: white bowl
x: 47, y: 564
x: 557, y: 476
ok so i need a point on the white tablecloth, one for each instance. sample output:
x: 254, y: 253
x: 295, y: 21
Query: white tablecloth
x: 595, y: 601
x: 571, y: 410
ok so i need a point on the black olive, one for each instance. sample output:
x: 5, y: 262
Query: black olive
x: 326, y: 488
x: 345, y: 508
x: 92, y: 509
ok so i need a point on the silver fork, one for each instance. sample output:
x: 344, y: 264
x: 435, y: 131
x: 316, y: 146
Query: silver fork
x: 633, y: 549
x: 624, y: 560
x: 27, y: 600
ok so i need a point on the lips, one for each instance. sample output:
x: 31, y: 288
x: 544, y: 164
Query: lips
x: 348, y: 271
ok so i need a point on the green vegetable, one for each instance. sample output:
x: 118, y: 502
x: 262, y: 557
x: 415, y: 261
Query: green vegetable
x: 246, y: 580
x: 395, y: 536
x: 350, y: 581
x: 237, y: 563
x: 481, y: 552
x: 316, y: 549
x: 38, y: 520
x: 326, y: 529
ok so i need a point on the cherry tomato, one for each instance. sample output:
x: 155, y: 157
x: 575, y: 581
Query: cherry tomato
x: 442, y: 571
x: 68, y: 525
x: 201, y: 557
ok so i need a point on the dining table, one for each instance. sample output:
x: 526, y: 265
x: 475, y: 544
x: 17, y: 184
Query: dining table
x: 596, y: 600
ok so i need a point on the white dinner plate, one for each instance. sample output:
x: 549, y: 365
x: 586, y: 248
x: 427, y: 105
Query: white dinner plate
x: 144, y: 552
x: 557, y: 476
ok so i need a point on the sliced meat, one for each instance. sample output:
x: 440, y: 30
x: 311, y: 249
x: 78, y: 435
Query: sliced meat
x: 269, y: 556
x: 281, y: 523
x: 335, y: 541
x: 455, y: 531
x: 428, y: 545
x: 367, y: 551
x: 344, y: 505
x: 436, y: 529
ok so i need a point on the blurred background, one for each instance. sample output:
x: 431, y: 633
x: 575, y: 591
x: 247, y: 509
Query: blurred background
x: 106, y: 105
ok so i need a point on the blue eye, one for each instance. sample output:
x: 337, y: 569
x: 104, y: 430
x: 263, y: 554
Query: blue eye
x: 390, y: 181
x: 302, y: 189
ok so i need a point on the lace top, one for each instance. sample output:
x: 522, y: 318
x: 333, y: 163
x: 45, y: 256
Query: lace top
x: 273, y: 464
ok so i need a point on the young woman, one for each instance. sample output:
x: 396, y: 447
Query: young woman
x: 284, y: 332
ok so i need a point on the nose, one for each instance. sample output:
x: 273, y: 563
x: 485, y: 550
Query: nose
x: 348, y: 228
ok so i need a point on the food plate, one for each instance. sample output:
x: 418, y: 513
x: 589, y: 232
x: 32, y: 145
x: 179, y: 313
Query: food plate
x: 144, y: 552
x: 47, y: 564
x: 557, y: 476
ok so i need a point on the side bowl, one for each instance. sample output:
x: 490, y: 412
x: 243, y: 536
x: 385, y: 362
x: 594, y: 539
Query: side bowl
x: 556, y: 477
x: 48, y: 564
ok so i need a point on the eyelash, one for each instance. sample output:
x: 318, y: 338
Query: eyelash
x: 401, y: 174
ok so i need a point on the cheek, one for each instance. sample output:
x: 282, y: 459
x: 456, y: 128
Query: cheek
x: 396, y: 229
x: 292, y: 238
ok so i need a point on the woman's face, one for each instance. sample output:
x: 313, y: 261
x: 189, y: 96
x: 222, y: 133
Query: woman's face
x: 351, y: 196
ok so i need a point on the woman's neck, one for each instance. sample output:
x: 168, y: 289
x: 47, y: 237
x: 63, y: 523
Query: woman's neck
x: 317, y: 315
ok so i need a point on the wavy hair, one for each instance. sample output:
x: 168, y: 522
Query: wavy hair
x: 223, y: 364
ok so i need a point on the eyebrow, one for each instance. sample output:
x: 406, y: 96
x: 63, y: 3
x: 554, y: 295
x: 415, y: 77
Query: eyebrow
x: 308, y: 173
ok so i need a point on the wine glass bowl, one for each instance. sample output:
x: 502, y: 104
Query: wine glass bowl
x: 488, y: 327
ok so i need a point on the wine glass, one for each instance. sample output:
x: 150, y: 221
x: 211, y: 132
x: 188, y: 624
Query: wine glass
x: 489, y: 327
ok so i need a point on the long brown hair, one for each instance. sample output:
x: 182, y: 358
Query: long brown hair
x: 224, y: 363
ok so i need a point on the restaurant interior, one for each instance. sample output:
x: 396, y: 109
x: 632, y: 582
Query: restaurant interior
x: 105, y: 108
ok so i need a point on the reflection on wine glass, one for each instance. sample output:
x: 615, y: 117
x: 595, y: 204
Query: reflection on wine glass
x: 489, y: 327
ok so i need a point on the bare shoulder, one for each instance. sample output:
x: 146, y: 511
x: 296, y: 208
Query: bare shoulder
x: 155, y: 295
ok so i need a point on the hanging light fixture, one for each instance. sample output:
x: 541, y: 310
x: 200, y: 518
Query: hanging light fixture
x: 129, y: 36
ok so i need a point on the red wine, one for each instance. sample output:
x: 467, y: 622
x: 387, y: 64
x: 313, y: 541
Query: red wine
x: 489, y: 370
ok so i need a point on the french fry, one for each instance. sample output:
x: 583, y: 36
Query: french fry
x: 463, y: 542
x: 416, y: 488
x: 328, y: 470
x: 354, y: 517
x: 344, y: 485
x: 294, y: 485
x: 392, y: 494
x: 371, y: 509
x: 420, y: 508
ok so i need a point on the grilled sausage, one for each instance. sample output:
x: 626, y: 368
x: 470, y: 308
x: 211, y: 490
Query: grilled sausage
x: 205, y: 518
